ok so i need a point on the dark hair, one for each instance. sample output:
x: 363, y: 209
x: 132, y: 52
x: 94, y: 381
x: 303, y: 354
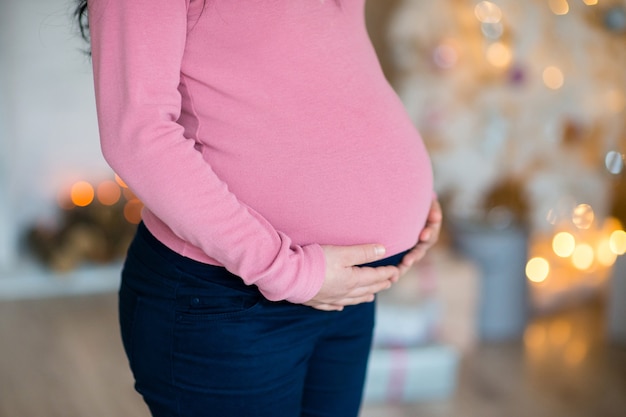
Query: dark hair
x: 80, y: 14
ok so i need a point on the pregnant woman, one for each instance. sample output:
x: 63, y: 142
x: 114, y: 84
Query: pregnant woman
x: 284, y: 186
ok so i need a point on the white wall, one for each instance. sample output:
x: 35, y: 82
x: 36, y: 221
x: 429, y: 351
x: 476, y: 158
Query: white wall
x: 48, y: 130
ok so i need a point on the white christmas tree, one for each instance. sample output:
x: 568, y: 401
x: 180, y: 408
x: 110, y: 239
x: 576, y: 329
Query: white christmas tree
x: 527, y: 91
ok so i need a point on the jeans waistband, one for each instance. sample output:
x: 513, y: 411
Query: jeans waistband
x: 199, y: 267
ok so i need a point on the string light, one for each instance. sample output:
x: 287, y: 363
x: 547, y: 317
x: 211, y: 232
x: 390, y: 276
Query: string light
x: 488, y: 12
x: 82, y: 194
x: 553, y: 77
x: 120, y: 182
x: 499, y: 55
x: 537, y: 269
x: 614, y: 162
x: 132, y: 211
x: 583, y: 216
x: 583, y: 256
x: 559, y: 7
x: 563, y: 244
x: 604, y: 254
x: 617, y: 242
x: 590, y: 2
x: 108, y: 193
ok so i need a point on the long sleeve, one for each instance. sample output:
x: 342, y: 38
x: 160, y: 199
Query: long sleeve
x: 137, y: 50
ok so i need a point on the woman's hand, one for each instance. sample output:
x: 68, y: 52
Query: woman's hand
x: 428, y: 237
x: 347, y: 284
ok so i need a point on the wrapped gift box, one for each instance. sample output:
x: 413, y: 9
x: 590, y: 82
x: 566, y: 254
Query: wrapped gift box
x: 407, y: 375
x: 436, y: 300
x: 407, y: 325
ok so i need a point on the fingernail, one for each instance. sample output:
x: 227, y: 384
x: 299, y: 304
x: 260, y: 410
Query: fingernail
x: 379, y: 250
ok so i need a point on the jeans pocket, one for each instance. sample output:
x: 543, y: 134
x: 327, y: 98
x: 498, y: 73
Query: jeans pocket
x: 206, y: 299
x: 197, y: 306
x: 211, y: 331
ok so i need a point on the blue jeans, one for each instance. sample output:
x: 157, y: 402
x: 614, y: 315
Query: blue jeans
x: 202, y: 343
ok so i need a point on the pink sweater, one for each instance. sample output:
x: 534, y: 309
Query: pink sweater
x: 256, y: 131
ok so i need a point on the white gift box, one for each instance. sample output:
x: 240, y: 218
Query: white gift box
x: 436, y: 300
x: 408, y: 375
x: 407, y: 325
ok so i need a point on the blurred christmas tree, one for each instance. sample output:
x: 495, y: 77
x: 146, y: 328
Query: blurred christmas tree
x: 521, y: 104
x: 511, y: 92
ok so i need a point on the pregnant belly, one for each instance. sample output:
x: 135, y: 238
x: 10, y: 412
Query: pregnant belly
x: 373, y: 194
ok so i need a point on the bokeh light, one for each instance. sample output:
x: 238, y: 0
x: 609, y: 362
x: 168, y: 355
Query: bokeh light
x: 82, y: 193
x: 604, y: 254
x: 563, y: 244
x: 488, y: 12
x: 553, y: 77
x: 583, y: 216
x: 132, y: 211
x: 499, y: 55
x: 559, y: 7
x: 108, y: 192
x: 583, y: 257
x: 617, y: 242
x: 120, y: 182
x: 614, y: 162
x: 537, y: 269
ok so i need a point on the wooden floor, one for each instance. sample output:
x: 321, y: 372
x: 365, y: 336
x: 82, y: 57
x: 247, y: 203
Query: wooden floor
x: 62, y: 358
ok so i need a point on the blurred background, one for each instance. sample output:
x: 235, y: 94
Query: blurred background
x: 520, y: 310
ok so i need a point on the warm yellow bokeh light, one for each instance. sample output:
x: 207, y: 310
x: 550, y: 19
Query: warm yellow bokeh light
x: 617, y: 242
x: 583, y: 256
x: 82, y: 193
x: 559, y: 7
x: 132, y: 211
x: 120, y: 182
x: 499, y: 55
x: 553, y: 78
x: 590, y: 2
x: 583, y: 216
x: 604, y: 254
x: 488, y: 12
x: 537, y: 269
x: 563, y: 244
x: 108, y: 192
